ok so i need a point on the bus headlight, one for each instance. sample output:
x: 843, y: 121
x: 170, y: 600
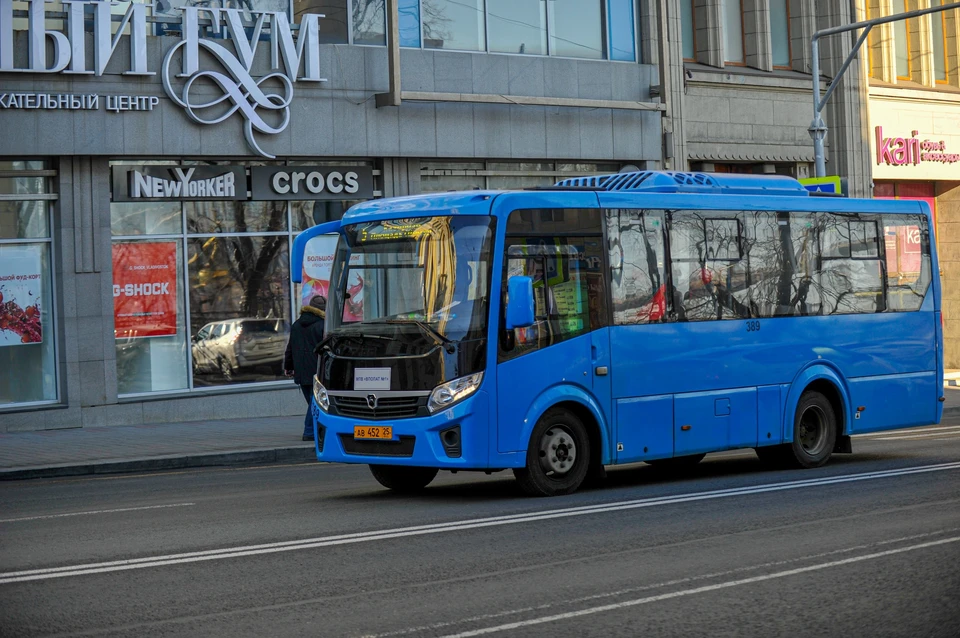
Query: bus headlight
x: 443, y: 396
x: 320, y: 395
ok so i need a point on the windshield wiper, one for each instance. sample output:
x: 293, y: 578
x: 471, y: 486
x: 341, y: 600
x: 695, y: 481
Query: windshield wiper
x: 325, y: 342
x: 437, y: 336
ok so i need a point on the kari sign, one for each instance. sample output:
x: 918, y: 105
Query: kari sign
x: 145, y: 289
x: 21, y: 283
x: 914, y: 139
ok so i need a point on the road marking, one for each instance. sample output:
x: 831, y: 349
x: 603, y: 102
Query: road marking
x: 946, y: 429
x: 435, y: 627
x: 910, y: 437
x: 697, y: 590
x: 453, y: 526
x: 91, y: 512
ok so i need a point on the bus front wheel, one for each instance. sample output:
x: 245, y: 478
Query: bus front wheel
x: 403, y: 479
x: 558, y: 456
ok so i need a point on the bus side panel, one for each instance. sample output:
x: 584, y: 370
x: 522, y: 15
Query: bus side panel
x: 710, y: 421
x: 769, y: 415
x: 644, y: 428
x: 893, y: 401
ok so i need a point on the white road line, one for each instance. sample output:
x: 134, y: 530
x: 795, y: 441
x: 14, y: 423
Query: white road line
x: 92, y: 512
x: 945, y: 429
x: 435, y: 627
x: 454, y: 526
x: 697, y: 590
x: 910, y: 437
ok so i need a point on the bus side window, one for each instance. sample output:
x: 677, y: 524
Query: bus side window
x: 907, y: 250
x: 708, y: 265
x: 637, y: 275
x: 851, y: 272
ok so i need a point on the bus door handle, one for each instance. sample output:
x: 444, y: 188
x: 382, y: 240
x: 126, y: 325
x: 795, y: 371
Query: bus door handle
x: 601, y: 371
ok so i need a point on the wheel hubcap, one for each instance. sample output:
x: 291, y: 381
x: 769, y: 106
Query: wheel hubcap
x: 558, y: 451
x: 812, y: 431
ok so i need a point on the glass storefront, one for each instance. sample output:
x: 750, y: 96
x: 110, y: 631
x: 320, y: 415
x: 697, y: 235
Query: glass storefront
x: 202, y: 289
x: 28, y: 368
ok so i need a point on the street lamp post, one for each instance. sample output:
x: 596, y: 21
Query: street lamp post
x: 818, y: 128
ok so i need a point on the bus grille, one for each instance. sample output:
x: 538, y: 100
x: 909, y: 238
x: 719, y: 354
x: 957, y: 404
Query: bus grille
x: 403, y: 447
x: 387, y: 407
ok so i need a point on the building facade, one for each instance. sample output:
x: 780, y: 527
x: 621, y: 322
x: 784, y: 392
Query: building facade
x: 156, y: 162
x: 914, y: 137
x: 742, y: 86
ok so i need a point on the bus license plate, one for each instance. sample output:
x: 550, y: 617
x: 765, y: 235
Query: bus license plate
x: 373, y: 432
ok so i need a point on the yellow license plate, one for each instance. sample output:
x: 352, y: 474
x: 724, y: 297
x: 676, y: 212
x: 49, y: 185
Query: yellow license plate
x: 373, y: 432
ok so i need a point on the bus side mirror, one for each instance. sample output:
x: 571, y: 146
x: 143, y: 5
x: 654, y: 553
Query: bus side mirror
x: 520, y: 308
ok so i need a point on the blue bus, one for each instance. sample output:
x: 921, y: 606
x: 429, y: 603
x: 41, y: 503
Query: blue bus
x: 648, y: 316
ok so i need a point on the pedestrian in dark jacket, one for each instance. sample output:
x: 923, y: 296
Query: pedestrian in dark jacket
x: 300, y: 360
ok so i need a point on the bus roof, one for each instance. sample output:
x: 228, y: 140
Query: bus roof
x: 667, y: 189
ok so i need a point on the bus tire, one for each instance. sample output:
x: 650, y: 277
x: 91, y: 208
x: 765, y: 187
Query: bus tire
x: 677, y: 462
x: 558, y: 456
x: 403, y: 479
x: 814, y: 431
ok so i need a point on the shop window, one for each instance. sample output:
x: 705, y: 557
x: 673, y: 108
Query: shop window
x: 202, y: 289
x: 732, y: 31
x: 780, y: 32
x: 28, y: 369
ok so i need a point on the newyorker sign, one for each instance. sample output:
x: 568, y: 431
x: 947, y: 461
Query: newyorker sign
x: 139, y: 183
x: 263, y: 104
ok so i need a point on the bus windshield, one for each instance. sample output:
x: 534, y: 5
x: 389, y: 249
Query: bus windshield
x: 432, y: 273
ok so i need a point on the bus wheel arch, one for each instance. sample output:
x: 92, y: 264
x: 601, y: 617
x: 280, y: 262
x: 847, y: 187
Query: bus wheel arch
x: 571, y: 428
x: 832, y: 393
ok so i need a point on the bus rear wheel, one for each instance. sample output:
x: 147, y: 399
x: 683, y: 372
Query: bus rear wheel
x: 403, y: 479
x: 814, y: 435
x: 558, y: 456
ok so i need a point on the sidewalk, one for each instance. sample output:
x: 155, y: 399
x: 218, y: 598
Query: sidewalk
x: 168, y: 446
x: 164, y: 446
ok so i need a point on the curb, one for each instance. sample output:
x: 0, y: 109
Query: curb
x: 173, y: 462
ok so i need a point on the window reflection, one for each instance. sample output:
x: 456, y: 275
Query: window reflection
x: 518, y: 26
x: 239, y: 308
x: 333, y: 26
x: 575, y: 28
x: 236, y: 217
x: 456, y: 25
x: 369, y: 25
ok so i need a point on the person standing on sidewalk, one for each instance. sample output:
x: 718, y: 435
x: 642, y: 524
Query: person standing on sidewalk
x: 300, y: 358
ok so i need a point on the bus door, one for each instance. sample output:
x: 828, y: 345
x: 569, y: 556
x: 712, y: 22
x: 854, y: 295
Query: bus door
x: 566, y: 351
x: 641, y: 393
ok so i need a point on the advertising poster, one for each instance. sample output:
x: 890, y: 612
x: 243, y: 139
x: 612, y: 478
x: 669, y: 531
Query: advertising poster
x: 145, y: 289
x: 20, y: 287
x: 317, y: 264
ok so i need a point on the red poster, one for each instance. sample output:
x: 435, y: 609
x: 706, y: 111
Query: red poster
x: 145, y: 289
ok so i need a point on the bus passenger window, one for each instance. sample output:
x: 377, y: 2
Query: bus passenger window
x: 851, y: 273
x: 907, y: 249
x: 709, y: 271
x: 636, y: 255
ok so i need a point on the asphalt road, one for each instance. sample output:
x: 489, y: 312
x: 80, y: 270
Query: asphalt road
x: 868, y: 545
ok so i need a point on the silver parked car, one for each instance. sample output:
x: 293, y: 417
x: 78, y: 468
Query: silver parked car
x: 235, y: 345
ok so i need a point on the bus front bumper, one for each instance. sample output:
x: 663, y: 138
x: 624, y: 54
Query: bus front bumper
x: 456, y: 438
